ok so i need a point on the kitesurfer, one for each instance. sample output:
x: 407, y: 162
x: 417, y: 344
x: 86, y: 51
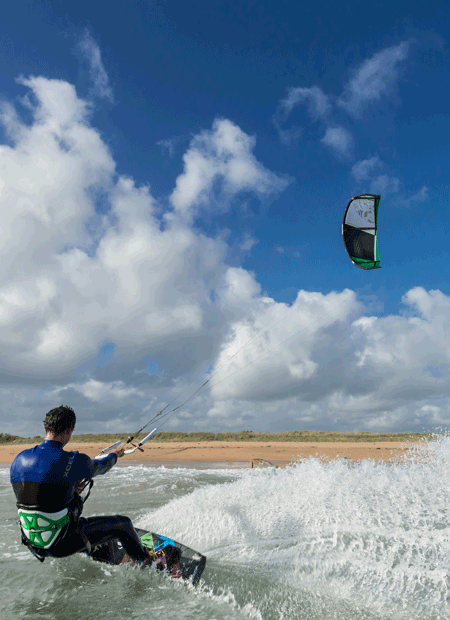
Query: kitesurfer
x: 47, y: 482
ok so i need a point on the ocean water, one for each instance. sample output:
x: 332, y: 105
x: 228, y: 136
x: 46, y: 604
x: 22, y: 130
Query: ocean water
x: 312, y: 541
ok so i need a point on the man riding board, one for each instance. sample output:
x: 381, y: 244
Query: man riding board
x: 47, y: 482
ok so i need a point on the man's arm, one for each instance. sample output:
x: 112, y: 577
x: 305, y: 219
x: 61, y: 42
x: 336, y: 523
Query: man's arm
x: 97, y: 467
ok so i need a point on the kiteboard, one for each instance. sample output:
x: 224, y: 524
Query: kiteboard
x: 171, y: 556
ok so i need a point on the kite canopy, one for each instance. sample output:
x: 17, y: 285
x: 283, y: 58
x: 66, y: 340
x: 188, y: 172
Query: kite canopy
x: 359, y: 230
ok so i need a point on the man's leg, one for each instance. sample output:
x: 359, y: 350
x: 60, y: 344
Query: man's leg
x: 99, y: 530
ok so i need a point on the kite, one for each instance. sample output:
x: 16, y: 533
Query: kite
x: 359, y: 231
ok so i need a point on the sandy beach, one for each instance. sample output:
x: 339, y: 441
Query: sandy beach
x: 277, y: 453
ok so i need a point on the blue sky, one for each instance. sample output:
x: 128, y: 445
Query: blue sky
x: 173, y: 180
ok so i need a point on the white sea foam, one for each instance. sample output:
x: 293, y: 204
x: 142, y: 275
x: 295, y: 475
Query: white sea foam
x: 373, y: 532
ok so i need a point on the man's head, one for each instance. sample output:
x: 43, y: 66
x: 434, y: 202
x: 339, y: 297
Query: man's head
x: 59, y: 420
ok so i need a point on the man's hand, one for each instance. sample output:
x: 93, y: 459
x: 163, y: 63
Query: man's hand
x: 80, y: 486
x: 118, y: 451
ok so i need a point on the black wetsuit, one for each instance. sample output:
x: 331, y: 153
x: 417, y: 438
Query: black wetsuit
x: 44, y: 479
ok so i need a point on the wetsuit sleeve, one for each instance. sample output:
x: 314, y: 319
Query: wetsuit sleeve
x: 97, y: 467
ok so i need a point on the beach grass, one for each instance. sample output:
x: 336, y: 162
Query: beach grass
x: 293, y: 436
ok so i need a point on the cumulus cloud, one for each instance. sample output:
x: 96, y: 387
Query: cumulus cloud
x: 97, y: 72
x: 98, y: 391
x: 76, y: 275
x: 374, y: 78
x: 270, y: 354
x: 49, y: 178
x: 78, y: 278
x: 63, y: 293
x: 415, y: 348
x: 221, y: 160
x: 322, y: 362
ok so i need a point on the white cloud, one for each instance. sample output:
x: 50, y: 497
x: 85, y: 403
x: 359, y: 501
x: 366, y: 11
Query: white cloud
x: 91, y: 52
x: 222, y: 156
x: 54, y: 340
x: 416, y: 198
x: 314, y: 98
x: 318, y: 107
x: 363, y: 169
x: 145, y: 287
x: 49, y: 177
x: 21, y: 298
x: 60, y: 295
x: 238, y: 289
x: 248, y: 242
x: 168, y: 146
x: 381, y: 184
x: 410, y: 355
x: 162, y: 293
x: 98, y: 391
x: 277, y: 362
x: 385, y: 184
x: 322, y: 362
x: 376, y: 77
x: 339, y: 140
x: 367, y: 373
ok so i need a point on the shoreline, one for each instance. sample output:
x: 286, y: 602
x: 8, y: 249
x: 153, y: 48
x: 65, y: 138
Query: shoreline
x: 235, y: 453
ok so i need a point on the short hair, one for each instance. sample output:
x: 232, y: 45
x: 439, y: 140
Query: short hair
x: 60, y: 419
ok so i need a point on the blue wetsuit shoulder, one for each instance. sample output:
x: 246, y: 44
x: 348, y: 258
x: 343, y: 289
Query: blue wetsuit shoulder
x: 48, y: 464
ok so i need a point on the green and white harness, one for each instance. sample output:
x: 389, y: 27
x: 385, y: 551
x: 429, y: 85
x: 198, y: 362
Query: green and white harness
x: 41, y: 529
